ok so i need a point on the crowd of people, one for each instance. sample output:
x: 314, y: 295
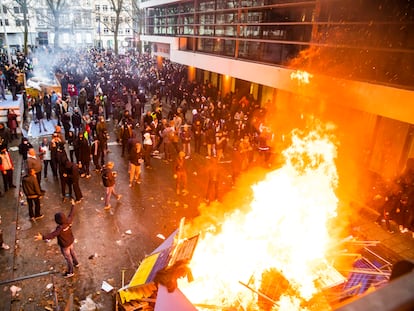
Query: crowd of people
x: 155, y: 110
x: 396, y: 203
x: 155, y: 113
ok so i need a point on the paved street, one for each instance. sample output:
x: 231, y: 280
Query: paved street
x: 109, y: 242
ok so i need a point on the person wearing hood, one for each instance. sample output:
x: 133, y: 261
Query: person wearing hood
x: 65, y: 238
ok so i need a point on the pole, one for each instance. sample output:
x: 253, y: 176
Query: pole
x: 27, y: 277
x: 5, y: 32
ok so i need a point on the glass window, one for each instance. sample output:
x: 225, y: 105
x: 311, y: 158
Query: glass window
x: 105, y: 8
x: 16, y: 10
x: 97, y: 7
x: 207, y: 5
x: 66, y: 38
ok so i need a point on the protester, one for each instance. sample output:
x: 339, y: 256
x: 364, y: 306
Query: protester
x: 108, y: 180
x: 6, y: 168
x: 135, y: 161
x: 213, y: 180
x: 24, y: 147
x: 5, y: 135
x: 45, y: 155
x: 147, y: 146
x: 34, y: 162
x: 33, y: 194
x: 180, y: 174
x: 72, y: 180
x: 64, y: 235
x: 12, y: 123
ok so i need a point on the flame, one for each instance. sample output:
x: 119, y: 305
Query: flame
x: 301, y: 76
x: 285, y: 228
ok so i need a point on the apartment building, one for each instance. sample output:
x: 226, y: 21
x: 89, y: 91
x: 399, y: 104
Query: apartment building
x: 82, y: 23
x: 75, y: 24
x: 104, y: 24
x: 359, y: 55
x: 12, y: 23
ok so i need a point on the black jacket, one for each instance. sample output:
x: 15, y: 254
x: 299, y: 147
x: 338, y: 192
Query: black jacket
x: 108, y: 177
x: 63, y: 231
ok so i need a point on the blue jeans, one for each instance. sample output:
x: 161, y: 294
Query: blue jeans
x: 70, y: 257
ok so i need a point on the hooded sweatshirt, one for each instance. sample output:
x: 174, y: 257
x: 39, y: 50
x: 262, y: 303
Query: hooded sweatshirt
x: 63, y: 231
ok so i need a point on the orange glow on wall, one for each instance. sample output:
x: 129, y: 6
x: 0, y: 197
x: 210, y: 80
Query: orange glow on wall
x: 191, y: 73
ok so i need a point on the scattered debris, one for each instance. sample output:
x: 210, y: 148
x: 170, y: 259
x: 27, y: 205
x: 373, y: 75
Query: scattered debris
x: 49, y: 286
x: 88, y: 305
x: 128, y: 232
x: 15, y: 290
x: 106, y: 287
x: 160, y: 236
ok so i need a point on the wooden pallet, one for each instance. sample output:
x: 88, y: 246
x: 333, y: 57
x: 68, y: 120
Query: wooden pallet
x: 136, y: 306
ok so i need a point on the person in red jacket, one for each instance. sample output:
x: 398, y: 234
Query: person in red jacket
x: 64, y: 235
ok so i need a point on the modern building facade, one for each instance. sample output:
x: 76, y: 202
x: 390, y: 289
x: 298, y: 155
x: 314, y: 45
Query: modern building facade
x: 359, y: 54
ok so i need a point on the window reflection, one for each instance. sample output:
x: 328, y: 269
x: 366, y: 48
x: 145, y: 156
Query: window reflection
x: 373, y: 32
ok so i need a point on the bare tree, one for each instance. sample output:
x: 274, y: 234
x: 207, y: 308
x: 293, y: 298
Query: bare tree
x: 52, y: 17
x: 137, y: 17
x: 56, y: 8
x: 118, y: 6
x: 23, y: 8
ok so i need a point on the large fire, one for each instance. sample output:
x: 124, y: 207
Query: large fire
x: 285, y: 229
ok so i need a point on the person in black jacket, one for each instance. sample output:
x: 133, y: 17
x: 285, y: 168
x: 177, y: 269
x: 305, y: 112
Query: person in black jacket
x: 83, y: 155
x: 33, y: 194
x: 64, y: 235
x: 108, y: 180
x: 72, y: 180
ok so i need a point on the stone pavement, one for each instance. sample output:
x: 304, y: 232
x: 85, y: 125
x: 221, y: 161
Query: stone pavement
x: 107, y: 242
x: 111, y: 244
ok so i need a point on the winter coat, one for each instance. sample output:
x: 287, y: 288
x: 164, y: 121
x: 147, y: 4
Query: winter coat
x: 63, y: 231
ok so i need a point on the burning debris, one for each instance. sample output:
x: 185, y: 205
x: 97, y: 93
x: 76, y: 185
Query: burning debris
x: 284, y: 230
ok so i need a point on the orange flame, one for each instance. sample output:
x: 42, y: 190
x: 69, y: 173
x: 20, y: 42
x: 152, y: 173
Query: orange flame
x: 285, y: 228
